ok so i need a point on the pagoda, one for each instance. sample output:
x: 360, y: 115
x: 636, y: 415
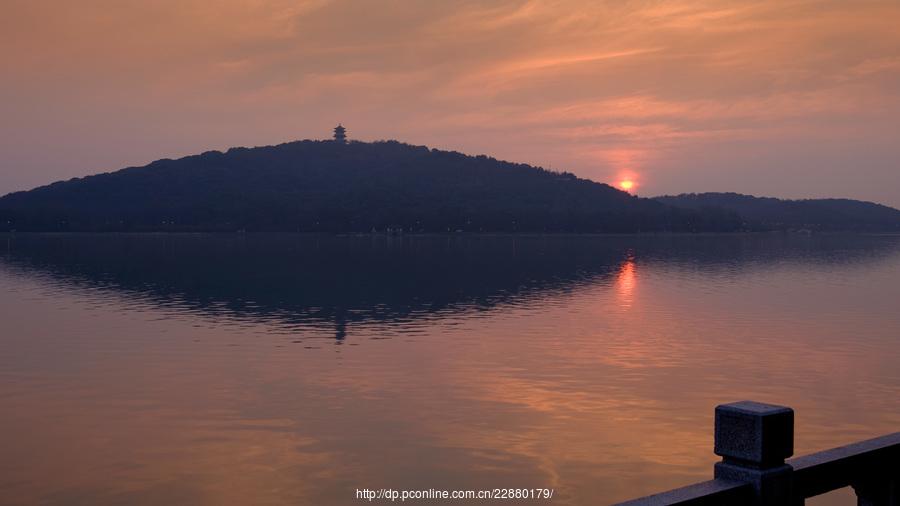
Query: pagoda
x: 340, y: 134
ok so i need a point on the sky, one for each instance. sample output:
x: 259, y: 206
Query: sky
x: 783, y: 98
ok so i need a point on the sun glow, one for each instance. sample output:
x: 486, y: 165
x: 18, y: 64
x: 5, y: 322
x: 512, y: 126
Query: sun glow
x: 626, y: 184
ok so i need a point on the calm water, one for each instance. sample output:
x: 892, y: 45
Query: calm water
x: 203, y: 369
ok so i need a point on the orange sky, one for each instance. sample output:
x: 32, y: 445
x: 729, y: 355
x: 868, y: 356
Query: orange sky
x: 784, y: 98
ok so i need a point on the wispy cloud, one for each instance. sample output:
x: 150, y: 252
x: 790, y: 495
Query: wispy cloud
x: 568, y: 83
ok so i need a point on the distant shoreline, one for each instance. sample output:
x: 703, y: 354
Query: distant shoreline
x: 456, y: 234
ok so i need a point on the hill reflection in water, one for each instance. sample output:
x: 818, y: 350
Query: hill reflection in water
x: 326, y: 281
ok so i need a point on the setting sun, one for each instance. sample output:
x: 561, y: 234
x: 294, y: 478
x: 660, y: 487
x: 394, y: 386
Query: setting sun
x: 626, y: 184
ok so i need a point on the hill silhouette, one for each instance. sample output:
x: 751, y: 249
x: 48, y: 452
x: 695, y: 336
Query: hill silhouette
x: 766, y: 213
x: 326, y: 186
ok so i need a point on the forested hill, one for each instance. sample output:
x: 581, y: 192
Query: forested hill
x: 765, y: 213
x: 326, y: 186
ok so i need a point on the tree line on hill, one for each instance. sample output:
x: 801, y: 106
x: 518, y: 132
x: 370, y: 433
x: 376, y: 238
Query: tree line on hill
x: 324, y: 186
x: 388, y: 186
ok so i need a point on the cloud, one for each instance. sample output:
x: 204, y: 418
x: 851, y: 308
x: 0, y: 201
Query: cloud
x: 546, y: 81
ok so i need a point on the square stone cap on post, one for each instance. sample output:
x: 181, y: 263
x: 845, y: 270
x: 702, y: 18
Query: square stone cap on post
x: 754, y: 434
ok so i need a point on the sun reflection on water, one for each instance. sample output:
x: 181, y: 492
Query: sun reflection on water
x: 626, y: 279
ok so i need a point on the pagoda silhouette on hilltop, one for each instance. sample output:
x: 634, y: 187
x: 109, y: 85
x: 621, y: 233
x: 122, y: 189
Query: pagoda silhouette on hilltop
x: 340, y: 134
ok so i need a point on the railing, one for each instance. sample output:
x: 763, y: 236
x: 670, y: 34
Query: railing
x: 754, y: 439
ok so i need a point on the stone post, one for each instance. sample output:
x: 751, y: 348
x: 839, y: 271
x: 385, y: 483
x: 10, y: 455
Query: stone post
x: 753, y: 440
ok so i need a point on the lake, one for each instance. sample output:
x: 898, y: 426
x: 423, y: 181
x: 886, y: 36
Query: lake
x: 290, y: 369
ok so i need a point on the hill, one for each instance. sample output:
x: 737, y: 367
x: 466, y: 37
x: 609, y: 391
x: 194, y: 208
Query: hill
x: 766, y: 213
x: 326, y: 186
